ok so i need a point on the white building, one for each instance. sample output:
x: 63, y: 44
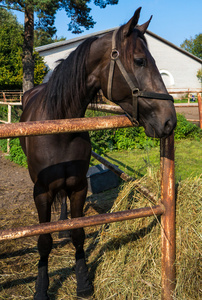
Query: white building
x: 177, y: 66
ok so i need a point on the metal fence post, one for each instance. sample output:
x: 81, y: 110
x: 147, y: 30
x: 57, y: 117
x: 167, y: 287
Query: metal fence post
x: 200, y: 109
x: 168, y: 236
x: 9, y: 121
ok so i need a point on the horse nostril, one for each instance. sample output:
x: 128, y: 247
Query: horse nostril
x: 169, y: 126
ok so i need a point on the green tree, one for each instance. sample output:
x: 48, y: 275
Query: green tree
x: 77, y: 10
x: 193, y: 45
x: 41, y: 38
x: 11, y: 41
x: 199, y: 75
x: 10, y: 51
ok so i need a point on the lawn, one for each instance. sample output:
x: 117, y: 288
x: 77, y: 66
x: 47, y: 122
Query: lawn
x: 138, y: 162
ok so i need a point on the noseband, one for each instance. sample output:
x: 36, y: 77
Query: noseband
x: 135, y: 91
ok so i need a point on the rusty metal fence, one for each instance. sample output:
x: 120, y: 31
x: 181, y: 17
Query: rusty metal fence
x: 165, y: 208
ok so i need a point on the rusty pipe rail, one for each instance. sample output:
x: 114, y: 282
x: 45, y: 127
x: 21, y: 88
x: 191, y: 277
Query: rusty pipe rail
x: 26, y: 231
x: 62, y: 126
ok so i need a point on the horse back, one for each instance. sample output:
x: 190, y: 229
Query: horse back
x: 28, y: 95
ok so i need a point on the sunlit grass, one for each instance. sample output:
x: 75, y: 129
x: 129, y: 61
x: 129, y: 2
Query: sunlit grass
x: 138, y: 162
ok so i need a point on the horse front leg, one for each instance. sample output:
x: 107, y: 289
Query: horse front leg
x: 43, y: 205
x: 84, y: 287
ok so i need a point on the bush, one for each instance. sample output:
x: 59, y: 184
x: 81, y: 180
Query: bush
x: 119, y: 139
x: 16, y: 153
x: 186, y: 129
x: 135, y: 137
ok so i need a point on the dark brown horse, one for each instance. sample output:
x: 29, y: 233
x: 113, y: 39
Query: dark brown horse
x: 121, y: 65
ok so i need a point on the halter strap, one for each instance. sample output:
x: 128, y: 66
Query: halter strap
x: 135, y: 91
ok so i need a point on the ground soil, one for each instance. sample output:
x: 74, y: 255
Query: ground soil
x: 191, y: 113
x: 15, y: 184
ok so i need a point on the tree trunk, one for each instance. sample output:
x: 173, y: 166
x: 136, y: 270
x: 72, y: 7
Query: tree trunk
x: 28, y: 59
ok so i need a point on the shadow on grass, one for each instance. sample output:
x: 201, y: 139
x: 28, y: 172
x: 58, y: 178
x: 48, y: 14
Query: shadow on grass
x: 139, y: 174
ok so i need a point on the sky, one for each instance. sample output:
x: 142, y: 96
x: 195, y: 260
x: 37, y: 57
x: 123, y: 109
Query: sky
x: 173, y: 20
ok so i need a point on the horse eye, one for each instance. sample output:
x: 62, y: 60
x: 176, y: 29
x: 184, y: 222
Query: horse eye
x: 140, y: 62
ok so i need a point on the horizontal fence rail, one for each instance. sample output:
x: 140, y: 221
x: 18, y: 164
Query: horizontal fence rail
x: 75, y: 223
x: 62, y: 126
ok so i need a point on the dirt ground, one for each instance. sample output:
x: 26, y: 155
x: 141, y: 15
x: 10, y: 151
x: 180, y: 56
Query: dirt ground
x: 191, y: 113
x: 15, y: 184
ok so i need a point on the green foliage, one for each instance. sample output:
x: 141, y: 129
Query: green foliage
x: 186, y: 129
x: 199, y: 75
x: 193, y: 45
x: 3, y: 112
x: 41, y: 38
x: 3, y: 145
x: 135, y: 137
x: 11, y: 40
x: 40, y: 69
x: 16, y: 153
x: 15, y: 113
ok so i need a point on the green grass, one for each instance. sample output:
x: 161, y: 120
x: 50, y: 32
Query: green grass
x: 185, y: 100
x: 138, y: 162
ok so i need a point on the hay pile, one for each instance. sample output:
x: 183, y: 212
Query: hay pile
x: 124, y: 258
x: 129, y: 253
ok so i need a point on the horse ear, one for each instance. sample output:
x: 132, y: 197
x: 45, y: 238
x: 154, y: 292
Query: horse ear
x: 129, y: 27
x: 144, y: 26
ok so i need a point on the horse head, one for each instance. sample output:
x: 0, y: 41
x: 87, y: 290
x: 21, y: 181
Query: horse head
x: 127, y: 74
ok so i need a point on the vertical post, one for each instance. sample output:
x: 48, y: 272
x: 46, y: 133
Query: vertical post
x: 4, y: 96
x: 168, y: 237
x: 189, y: 96
x: 200, y: 109
x: 9, y: 121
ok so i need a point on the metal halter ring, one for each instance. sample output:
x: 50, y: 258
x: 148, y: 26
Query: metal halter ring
x: 135, y: 91
x: 114, y: 54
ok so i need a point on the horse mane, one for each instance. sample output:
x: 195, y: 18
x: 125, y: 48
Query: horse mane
x: 66, y: 87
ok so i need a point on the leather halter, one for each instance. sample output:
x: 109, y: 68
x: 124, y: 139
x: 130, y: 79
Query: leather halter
x: 135, y: 91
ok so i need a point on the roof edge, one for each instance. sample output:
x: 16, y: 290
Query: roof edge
x: 81, y: 38
x: 70, y: 41
x: 174, y: 46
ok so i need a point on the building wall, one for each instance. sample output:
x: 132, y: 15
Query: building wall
x: 51, y: 56
x: 179, y: 70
